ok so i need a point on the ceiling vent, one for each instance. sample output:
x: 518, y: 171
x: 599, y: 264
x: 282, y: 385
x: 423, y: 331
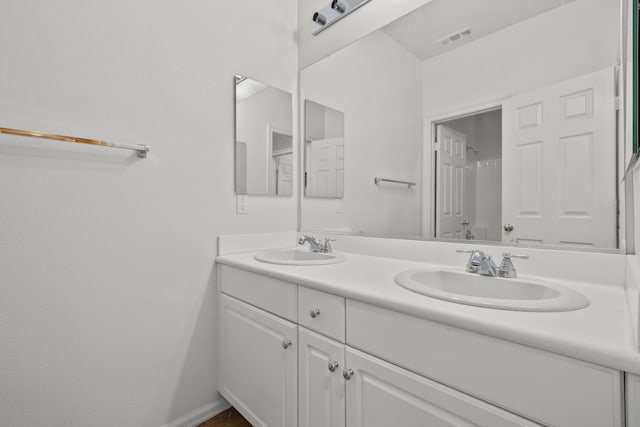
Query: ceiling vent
x: 455, y: 37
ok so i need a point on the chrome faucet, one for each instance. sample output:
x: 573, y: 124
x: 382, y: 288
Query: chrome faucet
x: 479, y: 263
x: 317, y: 245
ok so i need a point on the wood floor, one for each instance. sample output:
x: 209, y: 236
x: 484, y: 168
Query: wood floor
x: 229, y: 418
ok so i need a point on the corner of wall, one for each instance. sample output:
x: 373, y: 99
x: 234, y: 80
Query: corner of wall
x: 632, y: 289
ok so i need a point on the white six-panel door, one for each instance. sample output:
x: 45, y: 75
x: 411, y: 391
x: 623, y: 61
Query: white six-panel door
x: 452, y: 161
x: 559, y: 165
x: 321, y: 399
x: 326, y: 168
x: 284, y: 167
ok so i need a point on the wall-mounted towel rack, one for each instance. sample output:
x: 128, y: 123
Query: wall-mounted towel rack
x: 141, y: 150
x: 395, y: 181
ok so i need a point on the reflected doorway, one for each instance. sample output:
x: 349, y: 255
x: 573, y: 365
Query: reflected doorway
x: 469, y: 177
x: 280, y: 163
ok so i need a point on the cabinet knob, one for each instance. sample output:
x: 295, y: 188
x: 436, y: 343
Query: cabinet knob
x: 508, y: 227
x: 286, y: 344
x: 315, y: 312
x: 333, y: 366
x: 347, y: 374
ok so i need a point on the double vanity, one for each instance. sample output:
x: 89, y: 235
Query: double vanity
x: 443, y: 121
x: 385, y: 332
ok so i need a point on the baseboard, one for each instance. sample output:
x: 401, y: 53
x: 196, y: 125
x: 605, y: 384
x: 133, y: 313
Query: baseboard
x: 200, y: 414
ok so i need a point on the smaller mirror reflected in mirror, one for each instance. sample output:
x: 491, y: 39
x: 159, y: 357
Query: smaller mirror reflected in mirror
x: 324, y: 151
x: 263, y: 139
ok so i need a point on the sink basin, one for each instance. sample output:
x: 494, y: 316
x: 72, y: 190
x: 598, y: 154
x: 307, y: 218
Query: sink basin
x: 493, y: 292
x: 298, y: 257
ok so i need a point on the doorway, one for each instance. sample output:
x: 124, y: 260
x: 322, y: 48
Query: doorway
x: 468, y: 176
x: 280, y: 163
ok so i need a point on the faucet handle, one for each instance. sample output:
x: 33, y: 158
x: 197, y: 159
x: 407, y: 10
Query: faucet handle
x: 473, y: 252
x: 509, y: 255
x: 507, y: 270
x: 326, y: 246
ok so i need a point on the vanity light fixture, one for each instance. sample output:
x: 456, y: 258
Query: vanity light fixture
x: 319, y: 19
x: 335, y: 11
x: 338, y: 7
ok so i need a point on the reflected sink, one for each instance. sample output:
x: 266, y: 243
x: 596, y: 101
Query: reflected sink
x: 493, y: 292
x: 298, y: 257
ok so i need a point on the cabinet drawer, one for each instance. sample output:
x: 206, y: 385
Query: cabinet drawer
x: 321, y: 312
x: 542, y: 386
x: 272, y: 295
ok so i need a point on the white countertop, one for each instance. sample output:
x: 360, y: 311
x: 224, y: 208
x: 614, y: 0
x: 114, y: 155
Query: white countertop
x: 601, y: 333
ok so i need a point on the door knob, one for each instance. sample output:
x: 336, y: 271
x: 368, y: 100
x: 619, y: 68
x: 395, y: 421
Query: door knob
x: 508, y: 227
x: 465, y: 222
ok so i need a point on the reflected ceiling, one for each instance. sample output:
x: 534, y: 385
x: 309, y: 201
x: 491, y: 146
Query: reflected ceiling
x: 420, y: 31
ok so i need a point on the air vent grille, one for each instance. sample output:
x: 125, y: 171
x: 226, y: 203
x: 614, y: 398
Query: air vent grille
x: 455, y: 37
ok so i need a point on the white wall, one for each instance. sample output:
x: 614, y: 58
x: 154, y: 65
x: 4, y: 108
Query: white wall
x: 488, y: 199
x: 572, y: 40
x: 268, y: 109
x: 632, y: 283
x: 376, y: 83
x: 360, y: 23
x: 106, y: 261
x: 322, y: 122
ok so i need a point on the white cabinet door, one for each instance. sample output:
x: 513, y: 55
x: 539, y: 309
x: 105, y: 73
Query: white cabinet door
x: 633, y: 401
x: 321, y: 386
x: 258, y: 364
x: 380, y: 395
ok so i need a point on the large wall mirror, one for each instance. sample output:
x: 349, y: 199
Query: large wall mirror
x: 501, y: 112
x: 264, y: 139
